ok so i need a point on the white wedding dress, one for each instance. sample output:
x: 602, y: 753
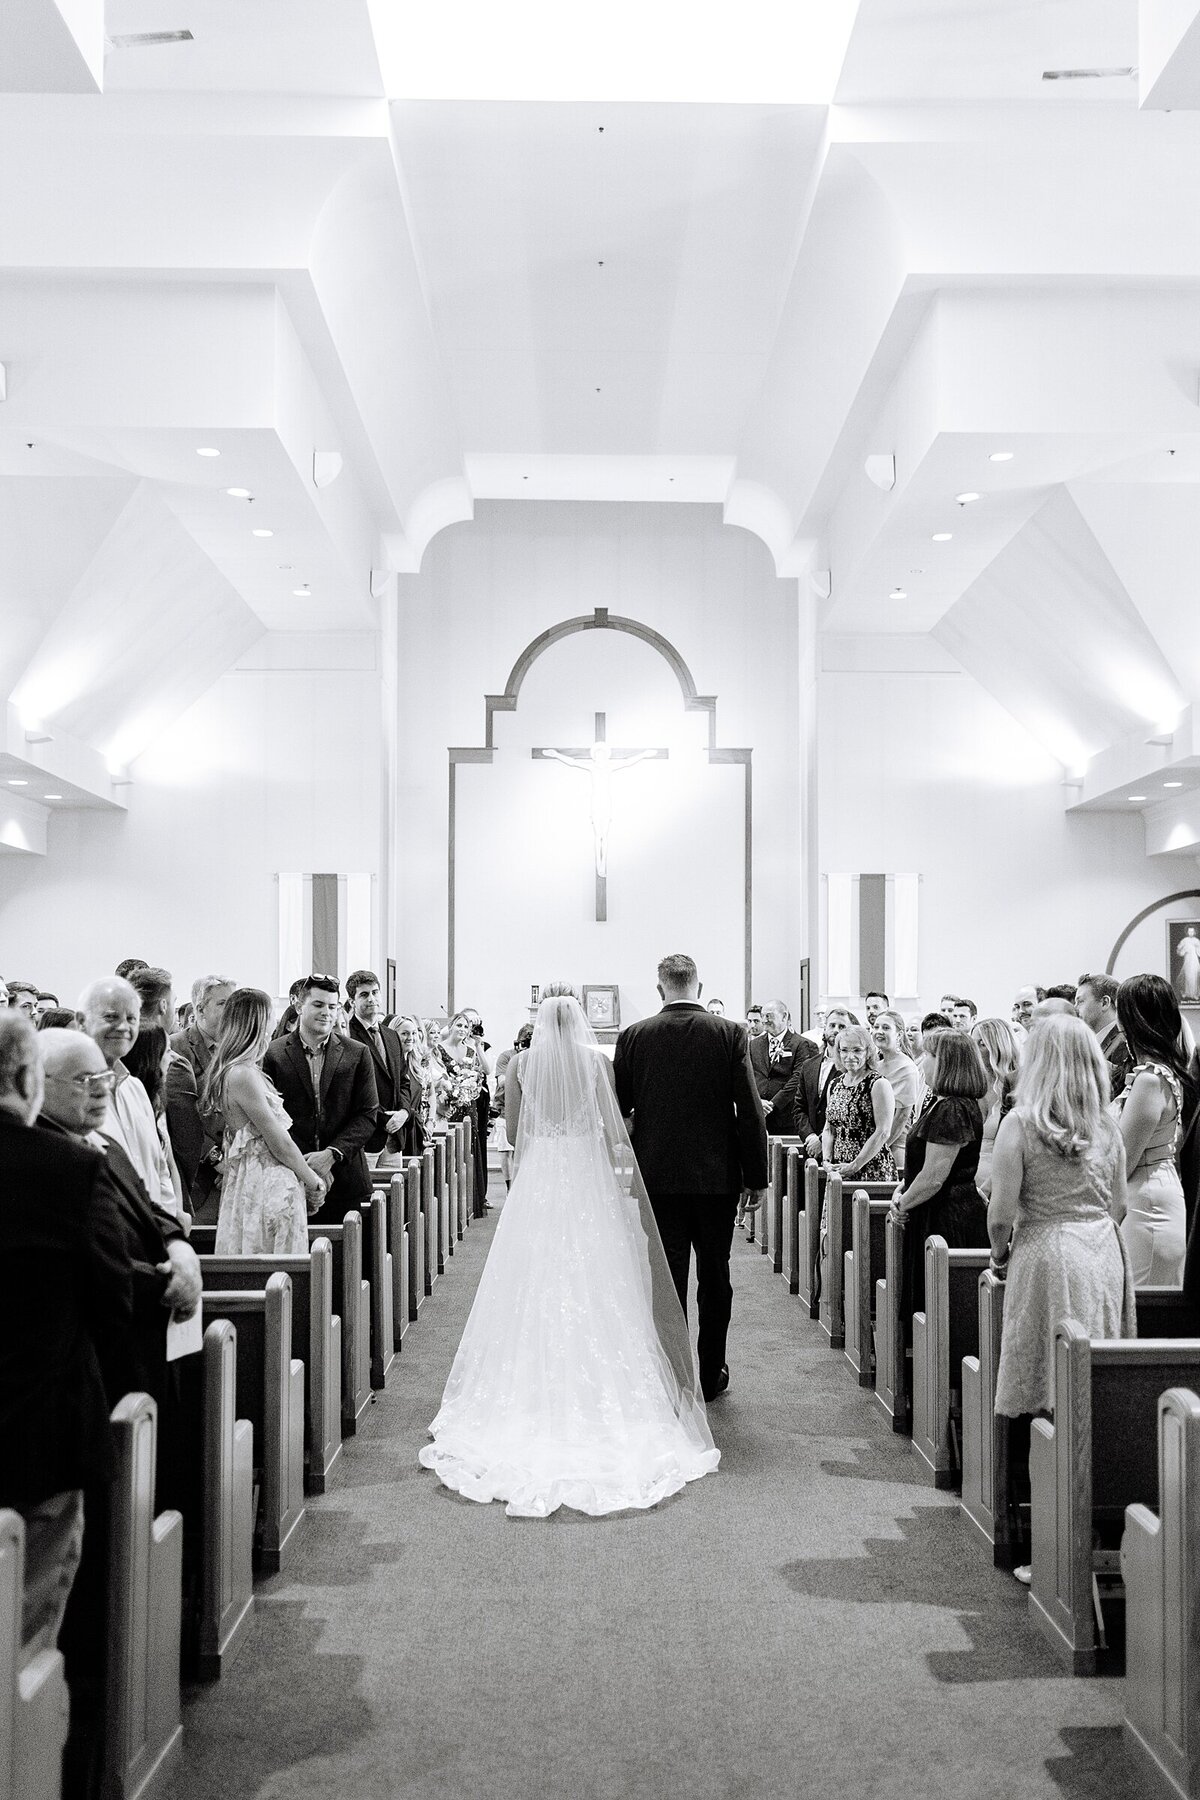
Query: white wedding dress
x: 575, y: 1383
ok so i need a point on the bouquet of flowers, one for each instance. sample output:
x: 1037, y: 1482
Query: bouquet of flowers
x: 461, y: 1091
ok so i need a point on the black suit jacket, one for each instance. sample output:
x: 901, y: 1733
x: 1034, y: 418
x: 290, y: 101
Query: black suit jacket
x: 193, y: 1135
x: 64, y: 1298
x: 774, y: 1078
x: 394, y: 1083
x: 348, y: 1115
x: 684, y: 1075
x: 807, y: 1097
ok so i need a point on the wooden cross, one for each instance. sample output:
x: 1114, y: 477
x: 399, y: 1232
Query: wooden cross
x: 600, y: 764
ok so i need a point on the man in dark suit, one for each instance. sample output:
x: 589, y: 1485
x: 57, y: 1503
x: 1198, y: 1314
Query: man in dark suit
x: 804, y: 1097
x: 328, y: 1088
x: 64, y: 1296
x: 1096, y: 1004
x: 389, y: 1065
x: 774, y: 1058
x: 683, y: 1076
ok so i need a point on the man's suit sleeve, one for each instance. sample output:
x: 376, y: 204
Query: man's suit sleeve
x: 804, y: 1126
x: 624, y: 1075
x: 185, y: 1127
x: 110, y: 1286
x: 362, y: 1115
x: 788, y: 1100
x: 751, y: 1120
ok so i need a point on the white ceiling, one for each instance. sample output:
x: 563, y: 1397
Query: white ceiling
x: 254, y: 242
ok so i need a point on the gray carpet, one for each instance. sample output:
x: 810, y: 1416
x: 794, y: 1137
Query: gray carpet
x: 810, y: 1620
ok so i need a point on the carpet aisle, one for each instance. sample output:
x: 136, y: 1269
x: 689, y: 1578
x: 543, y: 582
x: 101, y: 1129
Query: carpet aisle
x: 810, y: 1620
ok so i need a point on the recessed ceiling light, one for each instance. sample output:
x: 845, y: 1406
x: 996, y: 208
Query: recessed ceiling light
x: 965, y: 499
x: 17, y: 781
x: 1001, y: 456
x: 898, y: 593
x: 1172, y: 784
x: 942, y: 537
x: 263, y: 531
x: 51, y: 796
x: 1134, y: 797
x: 239, y: 493
x: 302, y: 593
x: 207, y: 450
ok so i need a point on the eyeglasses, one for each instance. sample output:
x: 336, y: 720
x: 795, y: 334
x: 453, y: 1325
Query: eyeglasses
x: 103, y: 1083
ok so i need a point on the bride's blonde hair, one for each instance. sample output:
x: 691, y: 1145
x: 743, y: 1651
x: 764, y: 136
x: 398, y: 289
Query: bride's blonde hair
x: 560, y: 990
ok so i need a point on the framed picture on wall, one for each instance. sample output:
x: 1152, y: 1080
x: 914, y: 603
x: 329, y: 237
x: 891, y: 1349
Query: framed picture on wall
x: 1183, y: 959
x: 602, y: 1007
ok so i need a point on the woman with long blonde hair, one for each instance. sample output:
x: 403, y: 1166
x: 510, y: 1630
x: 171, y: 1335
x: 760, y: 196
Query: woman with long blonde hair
x: 268, y: 1189
x: 997, y: 1045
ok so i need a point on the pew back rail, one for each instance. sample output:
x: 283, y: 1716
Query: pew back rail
x: 33, y: 1689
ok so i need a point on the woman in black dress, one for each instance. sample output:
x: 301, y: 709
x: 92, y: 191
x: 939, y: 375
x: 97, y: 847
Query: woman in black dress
x: 941, y: 1156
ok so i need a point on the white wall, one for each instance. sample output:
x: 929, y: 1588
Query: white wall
x: 271, y: 770
x: 486, y: 591
x: 923, y: 771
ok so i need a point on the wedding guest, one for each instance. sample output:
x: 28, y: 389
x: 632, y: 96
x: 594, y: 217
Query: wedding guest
x: 1054, y: 1006
x: 963, y: 1013
x: 902, y: 1076
x: 56, y: 1018
x: 3, y: 992
x: 184, y: 1131
x: 185, y: 1012
x: 874, y: 1003
x: 1152, y: 1111
x: 1063, y: 990
x: 1096, y: 1004
x: 912, y: 1036
x: 775, y: 1058
x: 194, y: 1043
x: 110, y: 1013
x: 1058, y: 1197
x: 812, y: 1081
x: 859, y: 1109
x: 941, y: 1157
x: 521, y: 1042
x: 946, y: 1005
x: 23, y: 999
x: 268, y: 1189
x: 46, y: 1002
x: 328, y: 1092
x: 125, y: 969
x: 462, y: 1057
x: 755, y: 1023
x: 997, y: 1046
x: 393, y: 1079
x: 291, y: 1012
x: 717, y: 1008
x: 1024, y: 1001
x: 427, y: 1074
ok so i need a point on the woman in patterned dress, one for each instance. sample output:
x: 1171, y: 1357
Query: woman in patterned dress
x: 1152, y: 1114
x: 859, y: 1108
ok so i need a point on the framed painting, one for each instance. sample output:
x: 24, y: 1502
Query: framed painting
x: 1183, y: 959
x: 602, y: 1007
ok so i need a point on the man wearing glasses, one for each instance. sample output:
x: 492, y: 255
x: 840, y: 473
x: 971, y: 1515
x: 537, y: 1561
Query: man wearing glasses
x: 328, y: 1089
x: 111, y: 1013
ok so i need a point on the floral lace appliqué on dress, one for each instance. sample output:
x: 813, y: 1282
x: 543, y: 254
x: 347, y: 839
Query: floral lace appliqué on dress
x: 263, y: 1207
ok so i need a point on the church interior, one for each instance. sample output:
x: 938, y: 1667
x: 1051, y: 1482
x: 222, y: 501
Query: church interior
x: 496, y: 497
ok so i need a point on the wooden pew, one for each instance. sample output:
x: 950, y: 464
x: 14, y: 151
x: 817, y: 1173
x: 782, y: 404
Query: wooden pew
x: 143, y: 1733
x: 789, y: 1223
x: 429, y: 1211
x: 466, y: 1161
x: 352, y: 1295
x: 838, y: 1234
x: 864, y: 1268
x: 1160, y: 1563
x: 945, y: 1333
x: 776, y: 1200
x: 316, y: 1341
x: 226, y: 1599
x: 1162, y: 1313
x: 379, y: 1274
x: 397, y: 1225
x: 438, y: 1247
x: 33, y: 1689
x: 985, y: 1437
x: 270, y: 1390
x: 1098, y: 1457
x: 415, y: 1221
x: 808, y: 1240
x: 891, y: 1367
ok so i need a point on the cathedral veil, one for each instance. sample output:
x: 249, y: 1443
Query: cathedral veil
x: 567, y: 1091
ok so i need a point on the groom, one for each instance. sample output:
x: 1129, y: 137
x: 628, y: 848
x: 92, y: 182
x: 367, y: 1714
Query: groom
x: 696, y: 1123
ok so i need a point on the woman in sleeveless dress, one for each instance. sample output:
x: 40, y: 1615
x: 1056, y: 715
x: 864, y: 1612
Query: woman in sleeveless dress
x: 997, y: 1045
x: 267, y: 1190
x: 575, y: 1383
x: 859, y: 1108
x: 1151, y: 1115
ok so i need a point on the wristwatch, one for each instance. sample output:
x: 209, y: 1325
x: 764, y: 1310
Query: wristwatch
x: 336, y: 1154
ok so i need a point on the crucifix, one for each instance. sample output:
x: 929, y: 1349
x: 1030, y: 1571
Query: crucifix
x: 600, y: 763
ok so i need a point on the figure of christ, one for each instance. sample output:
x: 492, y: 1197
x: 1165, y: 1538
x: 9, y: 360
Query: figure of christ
x: 601, y: 766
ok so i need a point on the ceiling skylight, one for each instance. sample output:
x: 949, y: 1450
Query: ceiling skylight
x: 686, y: 50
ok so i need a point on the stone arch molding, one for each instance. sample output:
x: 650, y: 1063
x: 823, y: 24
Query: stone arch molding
x: 598, y: 620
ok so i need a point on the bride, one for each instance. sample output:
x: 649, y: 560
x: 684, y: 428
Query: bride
x: 575, y: 1383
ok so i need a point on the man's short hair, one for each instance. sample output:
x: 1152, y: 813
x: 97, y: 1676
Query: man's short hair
x: 753, y: 1007
x: 125, y: 969
x: 1102, y: 986
x: 18, y: 1049
x: 20, y: 987
x: 969, y: 1004
x: 677, y: 972
x: 47, y: 995
x: 57, y: 1018
x: 203, y: 986
x: 1065, y: 990
x: 324, y: 984
x: 151, y: 985
x: 935, y: 1021
x: 361, y: 978
x: 877, y: 994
